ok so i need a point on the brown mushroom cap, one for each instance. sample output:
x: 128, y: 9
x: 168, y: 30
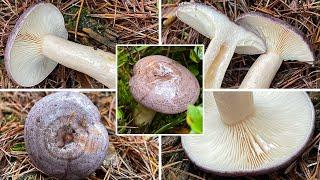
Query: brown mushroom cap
x: 164, y: 85
x: 65, y: 137
x: 23, y: 50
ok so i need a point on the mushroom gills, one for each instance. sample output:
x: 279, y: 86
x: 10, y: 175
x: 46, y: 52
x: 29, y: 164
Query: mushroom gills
x: 283, y: 42
x: 38, y: 43
x: 271, y: 129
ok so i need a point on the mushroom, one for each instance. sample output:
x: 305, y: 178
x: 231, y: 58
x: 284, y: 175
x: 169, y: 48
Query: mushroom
x: 226, y: 38
x: 251, y: 133
x: 38, y: 42
x: 160, y: 84
x: 283, y: 42
x: 64, y: 136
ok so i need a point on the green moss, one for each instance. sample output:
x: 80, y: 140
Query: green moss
x: 11, y: 117
x: 18, y: 147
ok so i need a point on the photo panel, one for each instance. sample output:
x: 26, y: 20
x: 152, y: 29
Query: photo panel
x: 159, y: 89
x: 70, y: 135
x: 252, y: 134
x: 249, y: 44
x: 70, y: 44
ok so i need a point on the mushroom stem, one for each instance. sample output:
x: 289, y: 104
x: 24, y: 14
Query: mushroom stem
x: 94, y: 62
x: 143, y: 115
x: 217, y: 59
x: 234, y: 107
x: 262, y: 72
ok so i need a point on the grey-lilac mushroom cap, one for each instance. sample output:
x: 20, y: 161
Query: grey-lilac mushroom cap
x: 280, y: 37
x: 275, y: 135
x: 23, y: 59
x: 163, y: 85
x: 211, y: 23
x: 64, y: 136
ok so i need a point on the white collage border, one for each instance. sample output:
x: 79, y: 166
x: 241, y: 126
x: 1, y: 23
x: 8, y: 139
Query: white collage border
x: 116, y: 91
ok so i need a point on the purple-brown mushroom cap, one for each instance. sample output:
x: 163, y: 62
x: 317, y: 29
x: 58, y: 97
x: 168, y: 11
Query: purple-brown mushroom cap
x: 163, y: 85
x: 64, y: 136
x: 23, y: 57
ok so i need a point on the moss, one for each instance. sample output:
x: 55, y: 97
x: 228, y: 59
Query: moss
x: 11, y: 117
x: 18, y: 147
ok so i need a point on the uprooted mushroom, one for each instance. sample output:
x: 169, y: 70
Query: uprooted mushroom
x: 250, y: 133
x: 283, y: 42
x: 255, y: 33
x: 38, y: 43
x: 226, y: 38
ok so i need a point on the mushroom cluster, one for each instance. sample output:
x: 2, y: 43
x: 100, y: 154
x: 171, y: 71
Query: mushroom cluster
x: 64, y: 136
x: 160, y: 84
x: 254, y: 33
x: 38, y: 43
x: 250, y: 133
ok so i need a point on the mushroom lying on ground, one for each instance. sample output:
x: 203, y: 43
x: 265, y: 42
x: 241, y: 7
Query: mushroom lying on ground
x: 250, y: 133
x: 64, y: 136
x: 38, y: 42
x: 283, y: 42
x: 160, y: 84
x: 226, y: 38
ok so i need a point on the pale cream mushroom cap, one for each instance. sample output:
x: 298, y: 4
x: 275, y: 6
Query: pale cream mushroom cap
x: 279, y: 36
x: 23, y: 59
x: 282, y: 125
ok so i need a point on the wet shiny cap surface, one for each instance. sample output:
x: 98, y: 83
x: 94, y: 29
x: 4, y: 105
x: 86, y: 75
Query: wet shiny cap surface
x: 163, y: 84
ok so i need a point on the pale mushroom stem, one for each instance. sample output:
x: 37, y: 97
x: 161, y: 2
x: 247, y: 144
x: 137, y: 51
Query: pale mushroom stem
x: 234, y: 107
x: 96, y: 63
x: 143, y: 115
x: 217, y: 59
x: 262, y: 72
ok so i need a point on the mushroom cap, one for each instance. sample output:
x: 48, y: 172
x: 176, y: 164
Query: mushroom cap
x: 64, y: 136
x: 280, y: 37
x: 23, y: 57
x: 211, y: 23
x: 276, y: 134
x: 164, y: 85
